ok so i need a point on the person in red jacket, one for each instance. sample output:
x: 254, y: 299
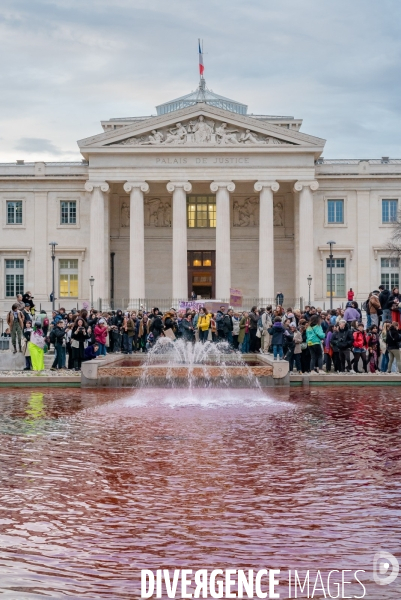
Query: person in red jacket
x: 360, y: 347
x: 101, y: 331
x: 350, y: 295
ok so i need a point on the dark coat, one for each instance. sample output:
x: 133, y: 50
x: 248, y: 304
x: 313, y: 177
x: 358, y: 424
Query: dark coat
x: 384, y: 298
x: 187, y: 331
x: 393, y: 339
x: 345, y: 338
x: 253, y: 320
x: 227, y: 324
x: 334, y: 341
x: 277, y: 333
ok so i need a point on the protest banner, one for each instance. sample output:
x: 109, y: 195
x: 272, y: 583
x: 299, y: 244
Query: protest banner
x: 235, y: 298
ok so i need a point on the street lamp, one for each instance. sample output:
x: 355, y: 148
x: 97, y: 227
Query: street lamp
x: 52, y: 296
x: 92, y: 281
x: 331, y: 244
x: 309, y: 283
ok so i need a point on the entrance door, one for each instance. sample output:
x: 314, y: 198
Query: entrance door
x: 201, y: 273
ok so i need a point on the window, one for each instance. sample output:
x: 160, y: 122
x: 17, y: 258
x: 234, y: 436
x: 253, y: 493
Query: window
x: 14, y: 277
x: 201, y: 211
x: 14, y: 213
x: 338, y: 270
x: 335, y: 211
x: 389, y: 211
x: 68, y: 278
x: 390, y: 272
x: 68, y: 212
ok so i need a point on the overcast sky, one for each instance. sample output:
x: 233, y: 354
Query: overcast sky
x: 68, y: 64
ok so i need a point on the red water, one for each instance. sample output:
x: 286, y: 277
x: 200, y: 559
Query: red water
x: 97, y: 485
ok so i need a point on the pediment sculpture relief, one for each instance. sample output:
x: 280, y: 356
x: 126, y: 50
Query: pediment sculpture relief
x: 158, y: 212
x: 246, y: 212
x: 201, y: 132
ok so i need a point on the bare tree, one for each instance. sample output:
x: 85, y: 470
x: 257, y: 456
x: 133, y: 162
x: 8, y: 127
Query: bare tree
x: 394, y: 243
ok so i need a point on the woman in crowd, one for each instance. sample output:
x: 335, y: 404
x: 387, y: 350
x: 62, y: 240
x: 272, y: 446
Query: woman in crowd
x: 314, y: 337
x: 394, y: 302
x: 37, y: 345
x: 373, y: 349
x: 383, y: 347
x: 393, y: 340
x: 243, y: 336
x: 203, y: 324
x: 101, y: 331
x: 79, y: 335
x: 360, y: 348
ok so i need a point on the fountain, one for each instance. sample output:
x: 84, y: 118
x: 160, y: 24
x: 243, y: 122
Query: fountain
x: 181, y: 364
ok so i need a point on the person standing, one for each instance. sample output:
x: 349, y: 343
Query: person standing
x: 393, y: 345
x: 15, y: 321
x: 220, y: 323
x: 277, y: 334
x: 267, y: 322
x: 36, y: 346
x: 394, y: 305
x: 101, y: 336
x: 228, y: 326
x: 203, y: 324
x: 27, y: 335
x: 58, y: 339
x: 374, y: 308
x: 254, y: 341
x: 384, y: 302
x: 314, y: 338
x: 243, y: 336
x: 345, y: 341
x: 280, y: 299
x: 79, y: 335
x: 360, y: 347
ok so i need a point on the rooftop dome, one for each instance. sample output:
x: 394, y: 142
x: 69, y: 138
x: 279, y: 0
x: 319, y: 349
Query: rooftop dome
x: 202, y: 94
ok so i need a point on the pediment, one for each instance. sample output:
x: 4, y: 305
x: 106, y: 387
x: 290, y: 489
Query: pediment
x: 199, y: 126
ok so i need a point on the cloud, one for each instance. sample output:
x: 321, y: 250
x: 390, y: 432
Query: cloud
x: 37, y: 146
x: 70, y: 65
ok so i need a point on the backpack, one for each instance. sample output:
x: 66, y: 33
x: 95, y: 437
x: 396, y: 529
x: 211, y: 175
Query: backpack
x: 219, y: 321
x: 365, y: 305
x: 52, y: 337
x: 45, y: 322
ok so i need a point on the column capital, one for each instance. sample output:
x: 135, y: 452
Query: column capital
x: 91, y: 185
x: 173, y: 185
x: 143, y: 186
x: 215, y: 185
x: 299, y: 185
x: 273, y: 185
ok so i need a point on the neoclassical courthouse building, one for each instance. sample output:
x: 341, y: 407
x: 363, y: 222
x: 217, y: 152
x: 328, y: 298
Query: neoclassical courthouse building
x: 202, y: 196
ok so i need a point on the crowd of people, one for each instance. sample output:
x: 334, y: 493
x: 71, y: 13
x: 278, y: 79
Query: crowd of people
x: 311, y: 340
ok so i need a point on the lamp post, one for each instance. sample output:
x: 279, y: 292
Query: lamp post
x: 92, y: 281
x: 53, y: 245
x: 331, y: 273
x: 309, y: 284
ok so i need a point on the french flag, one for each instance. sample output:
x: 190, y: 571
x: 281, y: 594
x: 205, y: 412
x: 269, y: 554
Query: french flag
x: 201, y: 67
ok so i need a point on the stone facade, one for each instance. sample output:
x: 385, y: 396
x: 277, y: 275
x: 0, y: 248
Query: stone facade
x: 121, y: 215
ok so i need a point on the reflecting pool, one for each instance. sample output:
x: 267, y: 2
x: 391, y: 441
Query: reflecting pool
x: 96, y: 485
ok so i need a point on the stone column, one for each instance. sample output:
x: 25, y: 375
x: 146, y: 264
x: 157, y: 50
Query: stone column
x: 136, y: 189
x: 223, y: 246
x: 97, y: 238
x: 306, y: 261
x: 41, y: 264
x: 179, y: 189
x: 266, y: 238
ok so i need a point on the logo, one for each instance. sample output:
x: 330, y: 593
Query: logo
x: 382, y: 561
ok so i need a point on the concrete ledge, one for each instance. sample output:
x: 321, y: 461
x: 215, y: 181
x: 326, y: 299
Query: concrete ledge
x: 337, y: 379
